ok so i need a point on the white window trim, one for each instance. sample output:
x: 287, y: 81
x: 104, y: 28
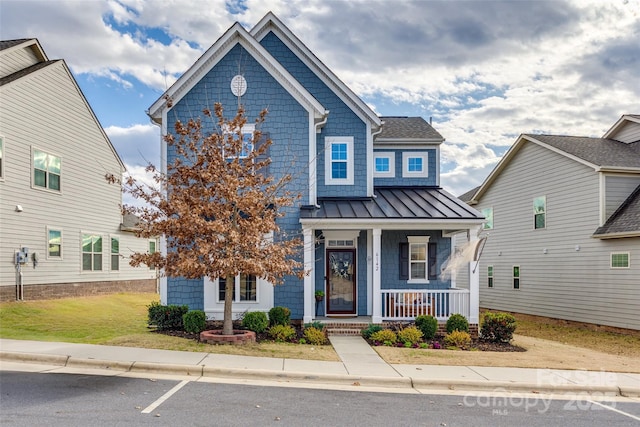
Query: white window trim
x: 419, y: 240
x: 628, y: 254
x: 533, y: 207
x: 513, y: 278
x: 424, y: 155
x: 246, y: 129
x: 33, y: 167
x: 491, y: 276
x: 392, y: 164
x: 236, y: 292
x: 3, y: 157
x: 111, y: 236
x: 54, y: 258
x: 92, y: 271
x: 328, y: 180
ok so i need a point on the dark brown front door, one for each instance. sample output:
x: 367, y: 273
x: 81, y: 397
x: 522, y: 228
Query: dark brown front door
x: 341, y: 281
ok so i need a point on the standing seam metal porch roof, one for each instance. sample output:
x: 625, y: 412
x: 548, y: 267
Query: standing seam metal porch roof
x: 419, y: 203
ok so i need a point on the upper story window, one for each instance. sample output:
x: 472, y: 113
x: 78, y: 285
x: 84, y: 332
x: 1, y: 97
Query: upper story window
x: 487, y: 213
x: 54, y: 243
x: 1, y: 157
x: 384, y: 165
x: 620, y: 260
x: 91, y: 252
x: 46, y: 170
x: 247, y: 140
x: 339, y: 161
x: 540, y: 212
x: 414, y: 165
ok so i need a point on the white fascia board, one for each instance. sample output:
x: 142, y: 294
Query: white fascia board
x: 617, y: 125
x: 271, y: 22
x: 410, y: 141
x: 619, y: 235
x: 388, y: 224
x: 236, y: 35
x: 33, y: 44
x: 405, y: 146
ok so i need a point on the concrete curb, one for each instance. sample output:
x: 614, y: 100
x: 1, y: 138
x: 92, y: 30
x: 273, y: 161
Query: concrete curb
x: 75, y: 362
x: 45, y: 359
x: 167, y: 368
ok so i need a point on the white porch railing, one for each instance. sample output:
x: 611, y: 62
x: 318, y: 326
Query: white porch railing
x: 407, y: 304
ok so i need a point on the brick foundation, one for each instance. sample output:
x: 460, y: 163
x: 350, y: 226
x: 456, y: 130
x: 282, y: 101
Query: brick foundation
x: 66, y: 290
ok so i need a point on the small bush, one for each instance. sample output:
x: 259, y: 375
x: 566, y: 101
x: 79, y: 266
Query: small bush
x: 282, y: 333
x: 370, y: 330
x: 459, y: 339
x: 255, y: 321
x: 457, y: 322
x: 315, y: 324
x: 428, y: 325
x: 279, y: 316
x: 167, y: 317
x: 194, y: 321
x: 498, y: 327
x: 410, y: 335
x: 315, y: 336
x: 385, y: 336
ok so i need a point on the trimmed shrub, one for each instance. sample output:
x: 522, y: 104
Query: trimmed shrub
x: 385, y: 336
x: 255, y: 321
x: 428, y: 325
x: 315, y: 336
x: 457, y: 322
x: 370, y: 330
x: 410, y: 335
x: 459, y: 339
x: 194, y: 321
x: 167, y: 317
x: 315, y: 324
x: 282, y: 333
x: 498, y: 327
x: 279, y: 316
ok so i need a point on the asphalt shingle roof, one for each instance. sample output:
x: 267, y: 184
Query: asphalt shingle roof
x: 407, y: 128
x: 25, y: 71
x: 626, y: 219
x: 598, y: 151
x: 6, y: 44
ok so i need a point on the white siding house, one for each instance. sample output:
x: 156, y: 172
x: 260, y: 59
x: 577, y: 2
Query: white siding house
x: 55, y: 200
x: 564, y: 235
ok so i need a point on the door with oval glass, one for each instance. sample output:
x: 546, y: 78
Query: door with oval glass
x: 341, y: 281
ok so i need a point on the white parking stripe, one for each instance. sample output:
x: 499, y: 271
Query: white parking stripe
x: 164, y: 397
x: 615, y: 410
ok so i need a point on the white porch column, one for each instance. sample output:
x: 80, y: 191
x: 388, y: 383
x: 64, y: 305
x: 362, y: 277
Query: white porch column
x: 474, y: 283
x: 376, y: 316
x: 309, y: 278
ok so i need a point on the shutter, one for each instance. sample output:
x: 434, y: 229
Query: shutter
x: 432, y: 261
x: 404, y: 261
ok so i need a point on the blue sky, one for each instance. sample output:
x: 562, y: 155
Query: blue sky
x: 484, y: 71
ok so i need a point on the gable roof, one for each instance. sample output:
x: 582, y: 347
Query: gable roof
x: 621, y: 123
x: 33, y: 44
x: 271, y: 23
x: 236, y: 34
x: 625, y: 221
x: 407, y: 129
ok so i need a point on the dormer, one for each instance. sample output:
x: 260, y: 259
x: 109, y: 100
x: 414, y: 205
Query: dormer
x: 406, y: 153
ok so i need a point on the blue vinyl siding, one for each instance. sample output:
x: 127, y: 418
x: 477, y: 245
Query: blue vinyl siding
x: 398, y: 180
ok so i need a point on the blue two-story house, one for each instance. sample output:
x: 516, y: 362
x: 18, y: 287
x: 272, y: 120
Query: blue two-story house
x: 377, y: 227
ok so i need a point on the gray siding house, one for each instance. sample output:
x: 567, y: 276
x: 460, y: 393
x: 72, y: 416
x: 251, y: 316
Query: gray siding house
x: 58, y: 213
x: 563, y: 224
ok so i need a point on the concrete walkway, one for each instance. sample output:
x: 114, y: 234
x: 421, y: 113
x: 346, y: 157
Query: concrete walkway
x: 360, y: 365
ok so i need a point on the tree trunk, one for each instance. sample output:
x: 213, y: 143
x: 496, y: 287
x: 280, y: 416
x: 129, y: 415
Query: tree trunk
x: 229, y: 291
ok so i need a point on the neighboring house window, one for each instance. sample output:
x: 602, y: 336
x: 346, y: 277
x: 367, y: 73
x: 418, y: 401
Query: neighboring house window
x: 384, y: 165
x: 414, y: 165
x: 46, y: 170
x: 115, y: 254
x: 418, y: 260
x: 152, y: 250
x: 487, y: 213
x: 91, y: 252
x: 620, y: 260
x: 246, y: 288
x: 516, y: 277
x: 540, y: 212
x: 1, y: 157
x: 54, y: 243
x: 490, y: 276
x: 339, y: 161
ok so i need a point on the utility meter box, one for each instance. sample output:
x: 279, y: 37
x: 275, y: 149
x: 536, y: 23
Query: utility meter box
x: 22, y: 256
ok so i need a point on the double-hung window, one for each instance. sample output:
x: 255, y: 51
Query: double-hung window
x: 516, y: 277
x: 115, y: 254
x: 91, y: 252
x: 339, y: 160
x: 46, y: 170
x: 490, y: 276
x: 418, y: 258
x: 414, y: 164
x: 540, y: 212
x: 245, y: 288
x: 54, y: 244
x: 247, y: 141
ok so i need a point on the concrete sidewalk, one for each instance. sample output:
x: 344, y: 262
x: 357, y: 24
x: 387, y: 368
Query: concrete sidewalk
x: 360, y: 365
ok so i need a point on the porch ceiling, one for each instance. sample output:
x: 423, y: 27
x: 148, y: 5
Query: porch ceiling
x: 395, y: 204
